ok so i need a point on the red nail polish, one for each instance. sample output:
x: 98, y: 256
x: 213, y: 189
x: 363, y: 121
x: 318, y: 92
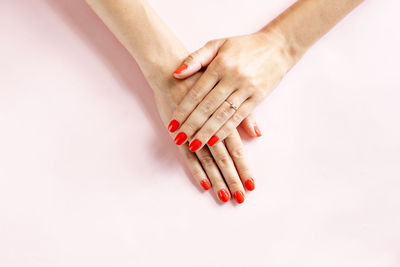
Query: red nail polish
x: 249, y: 184
x: 180, y: 69
x: 257, y: 130
x: 239, y: 197
x: 223, y: 195
x: 173, y: 125
x: 205, y: 184
x: 180, y: 138
x: 213, y: 140
x: 194, y: 145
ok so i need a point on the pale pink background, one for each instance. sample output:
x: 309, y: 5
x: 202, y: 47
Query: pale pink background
x: 89, y: 177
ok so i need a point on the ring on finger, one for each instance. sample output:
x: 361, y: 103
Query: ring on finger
x: 232, y: 105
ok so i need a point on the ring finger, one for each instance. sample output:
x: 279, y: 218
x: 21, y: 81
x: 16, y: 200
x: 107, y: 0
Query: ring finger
x: 230, y: 107
x: 228, y: 169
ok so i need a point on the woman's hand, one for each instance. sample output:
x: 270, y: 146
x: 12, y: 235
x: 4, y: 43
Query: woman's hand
x: 223, y: 166
x: 158, y: 51
x: 241, y: 72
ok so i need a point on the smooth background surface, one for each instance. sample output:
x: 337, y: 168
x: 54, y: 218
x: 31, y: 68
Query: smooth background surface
x: 88, y: 177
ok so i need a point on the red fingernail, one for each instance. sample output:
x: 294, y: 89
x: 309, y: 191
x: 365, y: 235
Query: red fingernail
x: 249, y: 184
x: 180, y: 69
x: 180, y: 138
x: 239, y: 196
x: 173, y: 125
x: 194, y: 145
x: 213, y: 140
x: 257, y: 130
x: 205, y: 184
x: 223, y: 195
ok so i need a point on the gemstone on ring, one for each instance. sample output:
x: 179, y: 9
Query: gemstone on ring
x: 232, y: 105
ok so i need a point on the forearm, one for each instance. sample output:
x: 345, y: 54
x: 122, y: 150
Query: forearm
x: 140, y: 30
x: 306, y: 21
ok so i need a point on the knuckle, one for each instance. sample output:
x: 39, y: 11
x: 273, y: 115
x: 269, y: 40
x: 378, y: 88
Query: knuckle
x: 191, y: 57
x: 222, y: 62
x: 223, y: 161
x: 237, y: 153
x: 207, y: 107
x: 245, y: 171
x: 197, y: 173
x: 234, y: 183
x: 251, y: 85
x: 223, y: 114
x: 196, y: 93
x: 237, y: 71
x: 237, y: 119
x: 207, y: 160
x: 213, y: 72
x: 210, y: 43
x: 179, y: 113
x: 189, y: 128
x: 220, y: 94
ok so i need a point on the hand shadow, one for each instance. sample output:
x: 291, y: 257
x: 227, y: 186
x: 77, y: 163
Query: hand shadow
x: 78, y: 16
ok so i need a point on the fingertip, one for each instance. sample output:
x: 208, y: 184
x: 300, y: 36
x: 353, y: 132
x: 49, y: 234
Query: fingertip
x: 187, y: 70
x: 181, y: 69
x: 205, y: 184
x: 257, y: 131
x: 249, y: 129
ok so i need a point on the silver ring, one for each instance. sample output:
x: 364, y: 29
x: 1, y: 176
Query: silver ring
x: 232, y: 105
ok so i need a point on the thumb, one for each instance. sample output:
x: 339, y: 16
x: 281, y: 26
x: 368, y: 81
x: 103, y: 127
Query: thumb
x: 198, y: 59
x: 250, y: 126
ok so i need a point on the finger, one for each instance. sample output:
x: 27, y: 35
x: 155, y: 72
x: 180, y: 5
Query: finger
x: 198, y: 59
x: 206, y: 108
x: 249, y: 124
x: 235, y: 148
x: 206, y: 83
x: 214, y: 174
x: 207, y: 132
x: 195, y: 168
x: 228, y: 170
x: 244, y: 110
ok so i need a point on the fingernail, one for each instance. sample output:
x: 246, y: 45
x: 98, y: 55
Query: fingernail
x: 180, y: 138
x: 205, y: 184
x: 213, y: 140
x: 249, y: 184
x: 223, y: 195
x: 194, y: 145
x: 173, y: 125
x: 180, y: 69
x: 239, y: 196
x: 257, y: 130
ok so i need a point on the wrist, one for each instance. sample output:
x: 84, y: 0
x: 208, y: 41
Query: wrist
x: 158, y: 68
x: 288, y: 51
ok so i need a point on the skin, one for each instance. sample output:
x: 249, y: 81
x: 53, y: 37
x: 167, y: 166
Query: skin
x: 157, y: 51
x: 245, y: 69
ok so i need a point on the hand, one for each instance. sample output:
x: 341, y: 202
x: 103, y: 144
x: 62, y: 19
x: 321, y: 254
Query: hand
x: 241, y: 70
x: 156, y: 59
x: 222, y: 166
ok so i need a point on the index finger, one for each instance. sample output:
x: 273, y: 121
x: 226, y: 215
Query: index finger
x: 202, y: 87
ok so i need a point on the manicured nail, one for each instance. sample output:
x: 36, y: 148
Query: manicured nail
x: 239, y: 197
x: 173, y: 125
x: 213, y: 140
x: 205, y: 184
x: 249, y: 184
x: 223, y: 195
x: 194, y: 145
x: 180, y: 138
x: 180, y: 69
x: 257, y: 130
